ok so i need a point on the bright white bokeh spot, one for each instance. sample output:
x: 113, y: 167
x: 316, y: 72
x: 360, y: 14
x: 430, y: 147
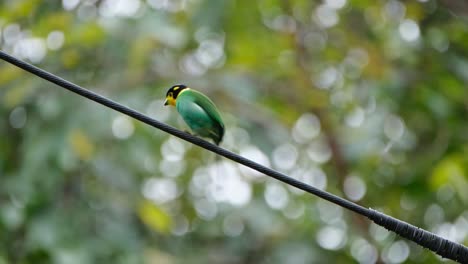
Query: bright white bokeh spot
x: 70, y: 4
x: 379, y: 233
x: 398, y: 252
x: 355, y: 118
x: 157, y: 4
x: 313, y: 176
x: 226, y: 185
x: 55, y: 40
x: 122, y: 8
x: 394, y: 10
x: 284, y: 23
x: 358, y: 57
x: 326, y: 16
x: 160, y: 190
x: 191, y: 65
x: 461, y: 227
x: 329, y: 213
x: 255, y: 154
x: 407, y: 202
x: 434, y: 215
x: 316, y: 177
x: 181, y: 225
x: 170, y: 35
x: 210, y: 53
x: 319, y: 151
x: 306, y: 127
x: 11, y: 34
x: 237, y: 136
x: 451, y: 231
x: 354, y: 188
x: 33, y: 49
x: 331, y: 237
x: 336, y: 4
x: 172, y: 168
x: 122, y: 127
x: 200, y: 179
x: 276, y: 196
x: 394, y: 127
x: 285, y: 156
x: 169, y: 5
x: 206, y: 209
x: 363, y: 252
x: 18, y: 117
x: 327, y: 78
x: 173, y: 149
x: 409, y: 30
x: 240, y: 193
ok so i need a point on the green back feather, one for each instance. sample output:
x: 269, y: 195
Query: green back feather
x: 204, y: 102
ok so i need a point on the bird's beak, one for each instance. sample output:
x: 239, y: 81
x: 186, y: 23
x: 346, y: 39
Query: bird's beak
x: 166, y: 102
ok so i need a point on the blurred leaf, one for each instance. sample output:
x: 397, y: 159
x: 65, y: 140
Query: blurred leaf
x: 70, y: 58
x: 55, y: 21
x: 81, y: 144
x: 9, y: 73
x: 18, y: 93
x: 19, y: 9
x: 154, y: 217
x: 88, y: 35
x: 451, y: 171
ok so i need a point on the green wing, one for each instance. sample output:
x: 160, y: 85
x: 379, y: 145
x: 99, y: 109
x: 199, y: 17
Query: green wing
x: 209, y: 108
x: 208, y: 105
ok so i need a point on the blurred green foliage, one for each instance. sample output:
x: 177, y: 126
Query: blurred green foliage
x: 366, y: 99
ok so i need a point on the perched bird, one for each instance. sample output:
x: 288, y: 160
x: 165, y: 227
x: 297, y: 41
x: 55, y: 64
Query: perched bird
x: 198, y: 111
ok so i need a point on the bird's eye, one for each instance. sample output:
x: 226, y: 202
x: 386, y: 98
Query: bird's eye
x: 170, y: 94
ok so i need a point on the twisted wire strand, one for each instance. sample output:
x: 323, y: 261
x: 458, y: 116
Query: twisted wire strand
x: 443, y: 247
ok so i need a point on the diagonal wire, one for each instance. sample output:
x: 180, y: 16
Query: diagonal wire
x: 439, y: 245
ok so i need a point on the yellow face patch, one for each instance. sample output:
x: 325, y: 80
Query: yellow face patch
x: 170, y: 100
x: 174, y: 93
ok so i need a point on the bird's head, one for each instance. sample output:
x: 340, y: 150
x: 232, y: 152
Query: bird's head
x: 172, y: 93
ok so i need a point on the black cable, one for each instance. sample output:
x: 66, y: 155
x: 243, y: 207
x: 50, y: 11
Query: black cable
x: 441, y: 246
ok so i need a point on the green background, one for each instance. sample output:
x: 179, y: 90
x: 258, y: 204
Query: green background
x: 365, y: 99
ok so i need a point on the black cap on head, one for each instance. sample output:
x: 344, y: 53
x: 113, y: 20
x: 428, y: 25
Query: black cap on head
x: 176, y: 89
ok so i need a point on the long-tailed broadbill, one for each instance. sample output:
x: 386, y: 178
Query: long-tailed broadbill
x: 198, y: 111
